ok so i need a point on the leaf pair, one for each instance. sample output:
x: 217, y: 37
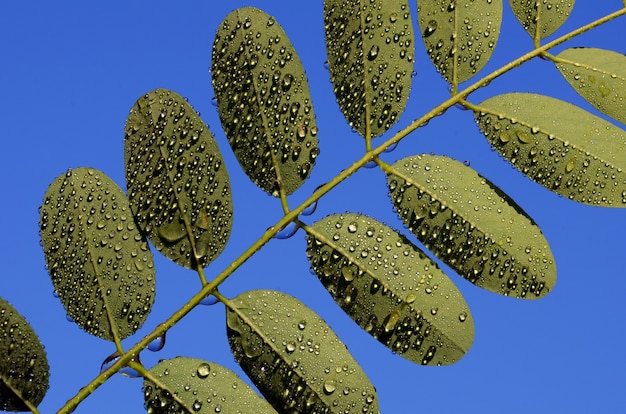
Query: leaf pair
x: 288, y: 351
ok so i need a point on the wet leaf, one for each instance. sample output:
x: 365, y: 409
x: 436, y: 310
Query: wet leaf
x: 196, y: 386
x: 546, y: 16
x: 459, y: 36
x: 24, y: 370
x: 558, y: 145
x: 177, y: 182
x: 472, y: 226
x: 100, y: 265
x: 370, y: 48
x: 294, y: 358
x: 599, y: 76
x: 264, y: 101
x: 391, y: 289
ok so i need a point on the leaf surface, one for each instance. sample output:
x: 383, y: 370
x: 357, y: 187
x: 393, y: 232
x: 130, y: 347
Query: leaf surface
x: 100, y: 265
x: 196, y: 386
x: 264, y: 101
x: 391, y: 289
x: 472, y: 226
x: 370, y: 48
x: 24, y: 370
x: 177, y: 182
x: 459, y: 36
x: 558, y: 145
x: 599, y: 76
x: 546, y: 15
x: 294, y: 358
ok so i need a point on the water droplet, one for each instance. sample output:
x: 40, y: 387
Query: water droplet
x: 352, y: 227
x: 289, y: 230
x: 209, y: 301
x: 373, y: 52
x: 330, y: 386
x: 157, y: 343
x: 430, y: 28
x: 203, y: 370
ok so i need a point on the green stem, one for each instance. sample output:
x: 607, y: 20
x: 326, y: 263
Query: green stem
x: 319, y: 193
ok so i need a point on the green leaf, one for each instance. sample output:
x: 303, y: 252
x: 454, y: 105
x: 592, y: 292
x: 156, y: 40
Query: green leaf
x: 177, y: 183
x: 391, y: 289
x: 264, y: 101
x: 546, y: 16
x: 24, y: 370
x: 597, y: 75
x: 459, y: 36
x: 370, y: 48
x: 192, y: 385
x: 558, y: 145
x: 100, y: 265
x: 294, y: 358
x: 472, y: 226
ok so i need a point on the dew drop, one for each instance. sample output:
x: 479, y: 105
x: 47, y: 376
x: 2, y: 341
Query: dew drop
x: 157, y: 343
x: 203, y: 370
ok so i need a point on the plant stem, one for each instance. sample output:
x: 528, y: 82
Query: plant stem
x: 317, y: 194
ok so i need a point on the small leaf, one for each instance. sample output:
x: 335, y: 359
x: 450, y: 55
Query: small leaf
x: 597, y: 75
x: 546, y: 15
x: 264, y: 101
x: 472, y: 226
x: 177, y: 183
x: 459, y: 36
x: 370, y: 48
x: 24, y: 370
x: 391, y: 289
x: 197, y: 386
x: 100, y: 265
x: 294, y: 358
x: 558, y: 145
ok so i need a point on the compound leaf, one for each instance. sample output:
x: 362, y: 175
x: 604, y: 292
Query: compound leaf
x: 597, y: 75
x: 24, y: 370
x: 543, y: 16
x: 370, y: 48
x: 177, y: 183
x: 558, y: 145
x: 391, y: 289
x: 182, y: 385
x: 472, y: 226
x: 264, y: 101
x: 100, y: 265
x: 294, y: 358
x: 459, y: 36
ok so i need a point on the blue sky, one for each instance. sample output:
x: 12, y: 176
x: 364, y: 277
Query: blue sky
x: 70, y: 73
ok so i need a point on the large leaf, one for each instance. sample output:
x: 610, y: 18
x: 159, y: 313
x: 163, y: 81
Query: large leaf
x: 24, y: 369
x: 472, y: 226
x: 545, y: 16
x: 196, y: 386
x: 391, y: 289
x: 264, y: 101
x: 294, y: 358
x: 177, y: 183
x: 597, y: 75
x: 558, y: 145
x: 100, y: 265
x: 459, y: 36
x: 370, y: 47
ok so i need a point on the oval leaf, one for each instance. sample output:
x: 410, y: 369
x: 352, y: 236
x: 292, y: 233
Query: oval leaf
x: 184, y: 385
x: 370, y: 48
x: 264, y: 101
x: 459, y: 36
x: 100, y: 265
x: 177, y: 183
x: 294, y: 358
x: 391, y: 289
x: 597, y: 75
x: 543, y: 16
x: 472, y: 226
x: 24, y: 370
x: 558, y: 145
